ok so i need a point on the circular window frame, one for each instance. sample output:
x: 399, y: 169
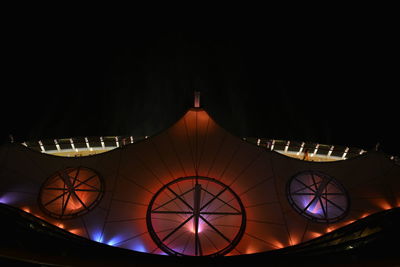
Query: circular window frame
x: 313, y: 218
x: 165, y: 248
x: 86, y: 209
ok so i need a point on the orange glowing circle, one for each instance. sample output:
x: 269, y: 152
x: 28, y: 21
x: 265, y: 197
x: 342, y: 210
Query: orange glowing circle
x: 71, y: 192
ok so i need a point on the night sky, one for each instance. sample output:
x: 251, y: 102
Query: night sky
x: 332, y: 85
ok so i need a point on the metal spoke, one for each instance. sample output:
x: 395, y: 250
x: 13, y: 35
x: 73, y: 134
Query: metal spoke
x: 51, y: 201
x: 65, y: 204
x: 181, y: 199
x: 85, y: 182
x: 334, y: 204
x: 171, y: 212
x: 312, y: 194
x: 309, y: 204
x: 215, y: 229
x: 79, y: 199
x: 220, y: 213
x: 169, y: 201
x: 222, y: 200
x: 214, y: 198
x: 87, y: 190
x: 177, y: 228
x: 306, y: 186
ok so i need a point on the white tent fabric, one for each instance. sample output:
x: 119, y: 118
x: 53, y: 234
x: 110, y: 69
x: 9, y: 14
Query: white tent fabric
x: 196, y: 145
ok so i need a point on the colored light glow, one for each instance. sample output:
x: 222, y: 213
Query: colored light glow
x: 6, y: 199
x: 60, y: 225
x: 330, y: 229
x: 192, y: 227
x: 315, y: 234
x: 383, y: 204
x: 26, y: 209
x: 138, y: 246
x: 98, y: 236
x: 75, y: 231
x: 114, y: 240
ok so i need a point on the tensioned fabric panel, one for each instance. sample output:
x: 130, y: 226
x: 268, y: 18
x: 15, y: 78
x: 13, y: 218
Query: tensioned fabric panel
x: 196, y: 145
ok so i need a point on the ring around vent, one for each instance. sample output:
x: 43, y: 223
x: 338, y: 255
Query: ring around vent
x: 70, y: 193
x: 196, y: 216
x: 318, y: 197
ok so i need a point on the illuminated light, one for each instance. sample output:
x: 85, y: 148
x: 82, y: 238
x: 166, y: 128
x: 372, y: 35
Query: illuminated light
x: 114, y: 240
x: 192, y: 229
x: 98, y: 236
x: 145, y: 137
x: 315, y: 150
x: 87, y: 144
x: 315, y: 234
x: 102, y: 142
x: 7, y: 198
x: 26, y: 209
x: 383, y: 204
x: 301, y: 148
x: 116, y: 141
x: 287, y: 146
x: 41, y: 146
x: 330, y: 229
x: 362, y: 151
x: 273, y: 144
x: 330, y: 151
x: 294, y: 240
x: 139, y: 247
x: 131, y: 139
x: 364, y: 215
x: 250, y: 250
x: 57, y: 145
x: 345, y: 153
x: 60, y: 225
x: 278, y: 244
x: 74, y: 231
x: 24, y: 144
x: 196, y: 99
x: 258, y: 141
x: 72, y: 145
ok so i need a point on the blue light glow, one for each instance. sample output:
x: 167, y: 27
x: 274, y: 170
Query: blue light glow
x: 114, y: 240
x: 98, y: 236
x: 138, y: 246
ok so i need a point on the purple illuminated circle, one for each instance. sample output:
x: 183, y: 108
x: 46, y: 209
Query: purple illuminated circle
x: 318, y: 197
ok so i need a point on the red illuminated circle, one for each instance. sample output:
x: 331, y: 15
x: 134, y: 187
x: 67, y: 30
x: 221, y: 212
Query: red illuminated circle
x: 318, y: 197
x: 196, y: 216
x: 70, y: 193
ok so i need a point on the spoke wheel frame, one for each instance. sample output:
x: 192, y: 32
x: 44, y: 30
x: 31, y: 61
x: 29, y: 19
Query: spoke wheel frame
x: 165, y: 248
x: 320, y: 198
x: 87, y: 208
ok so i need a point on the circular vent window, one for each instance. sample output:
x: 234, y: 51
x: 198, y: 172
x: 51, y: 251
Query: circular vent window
x: 318, y: 197
x: 196, y: 216
x: 70, y: 193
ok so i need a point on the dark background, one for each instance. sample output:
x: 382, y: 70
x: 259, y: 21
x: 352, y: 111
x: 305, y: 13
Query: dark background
x: 331, y: 83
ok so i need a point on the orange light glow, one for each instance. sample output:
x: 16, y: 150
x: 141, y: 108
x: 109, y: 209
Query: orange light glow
x: 60, y: 225
x: 383, y: 204
x: 26, y: 209
x: 74, y: 231
x: 330, y: 229
x: 315, y: 234
x: 294, y: 240
x: 278, y: 244
x: 364, y: 215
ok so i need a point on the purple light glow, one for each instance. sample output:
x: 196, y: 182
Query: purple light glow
x: 7, y: 198
x: 138, y: 246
